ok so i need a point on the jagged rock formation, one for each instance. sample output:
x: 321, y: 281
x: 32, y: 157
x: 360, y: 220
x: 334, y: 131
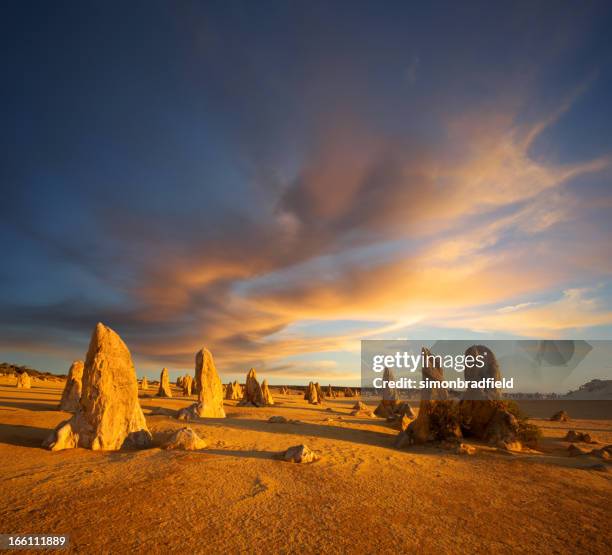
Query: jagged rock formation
x: 179, y: 382
x: 233, y: 391
x: 284, y: 390
x: 438, y: 417
x: 330, y: 392
x: 184, y: 439
x: 312, y: 395
x: 348, y: 392
x: 72, y: 390
x: 300, y: 454
x: 265, y: 394
x: 187, y: 384
x: 24, y: 381
x: 210, y: 390
x: 253, y: 395
x: 144, y: 384
x: 109, y: 416
x: 164, y: 384
x: 485, y: 418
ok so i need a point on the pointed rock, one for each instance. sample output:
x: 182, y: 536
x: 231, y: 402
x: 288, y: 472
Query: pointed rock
x: 210, y: 390
x: 109, y: 416
x: 144, y: 384
x: 265, y: 394
x: 164, y: 384
x: 253, y: 394
x: 312, y: 395
x: 72, y: 389
x: 187, y: 384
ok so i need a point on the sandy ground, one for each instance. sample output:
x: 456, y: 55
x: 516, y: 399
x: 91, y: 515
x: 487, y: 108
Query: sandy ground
x: 364, y: 496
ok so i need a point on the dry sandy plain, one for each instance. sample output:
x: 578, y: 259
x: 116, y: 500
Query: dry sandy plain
x: 363, y: 496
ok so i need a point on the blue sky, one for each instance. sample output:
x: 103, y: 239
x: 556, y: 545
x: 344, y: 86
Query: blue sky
x: 277, y: 181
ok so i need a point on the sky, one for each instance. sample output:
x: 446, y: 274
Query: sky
x: 277, y: 181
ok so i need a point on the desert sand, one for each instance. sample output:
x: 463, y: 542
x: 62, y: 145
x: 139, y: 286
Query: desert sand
x: 362, y: 496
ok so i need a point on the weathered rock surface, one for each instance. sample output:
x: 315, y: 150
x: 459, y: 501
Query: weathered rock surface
x: 300, y: 454
x: 74, y: 385
x: 24, y: 381
x: 210, y: 390
x: 330, y: 392
x: 144, y: 384
x: 438, y: 418
x: 164, y: 384
x: 184, y: 439
x: 312, y: 395
x: 187, y: 384
x: 109, y: 416
x: 266, y: 395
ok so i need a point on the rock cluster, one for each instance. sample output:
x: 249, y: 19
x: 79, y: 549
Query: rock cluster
x: 210, y: 390
x: 109, y: 416
x: 233, y: 391
x: 330, y: 392
x: 24, y: 381
x: 348, y: 392
x: 312, y: 394
x: 581, y: 437
x: 361, y: 409
x: 72, y: 390
x: 485, y: 418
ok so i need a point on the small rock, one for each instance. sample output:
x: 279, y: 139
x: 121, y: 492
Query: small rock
x: 185, y: 439
x: 560, y: 416
x: 277, y: 420
x: 300, y: 454
x: 581, y: 437
x: 464, y: 449
x: 513, y: 446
